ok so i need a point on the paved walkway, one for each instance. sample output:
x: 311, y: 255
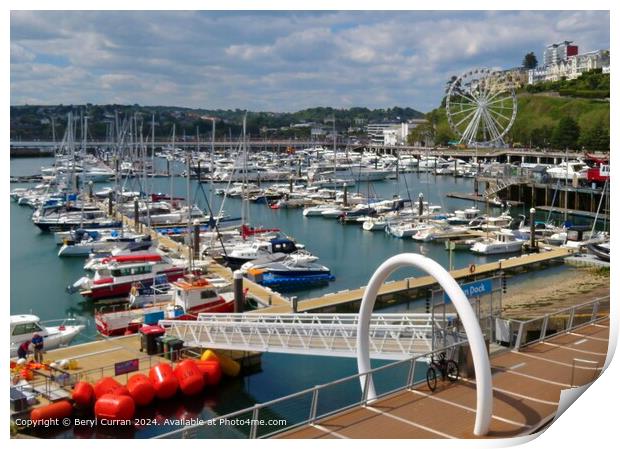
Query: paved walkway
x: 526, y: 387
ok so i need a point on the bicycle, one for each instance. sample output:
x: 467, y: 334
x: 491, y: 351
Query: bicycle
x: 448, y: 368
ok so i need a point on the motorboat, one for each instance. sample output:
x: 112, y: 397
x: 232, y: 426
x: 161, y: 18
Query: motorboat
x: 502, y: 242
x: 567, y: 171
x: 407, y: 229
x: 91, y: 242
x: 601, y: 250
x: 116, y: 275
x: 24, y: 326
x: 287, y: 270
x: 317, y: 210
x: 374, y: 224
x: 187, y: 297
x: 248, y: 251
x: 464, y: 216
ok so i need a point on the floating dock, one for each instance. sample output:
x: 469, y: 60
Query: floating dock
x: 329, y: 302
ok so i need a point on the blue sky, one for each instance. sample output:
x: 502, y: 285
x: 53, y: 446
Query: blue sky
x: 275, y: 61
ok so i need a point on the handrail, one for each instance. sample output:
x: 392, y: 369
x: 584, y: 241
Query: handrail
x: 545, y: 321
x: 567, y: 309
x: 315, y: 392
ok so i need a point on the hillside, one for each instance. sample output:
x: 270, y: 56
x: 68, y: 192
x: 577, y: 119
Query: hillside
x: 539, y: 116
x: 30, y: 122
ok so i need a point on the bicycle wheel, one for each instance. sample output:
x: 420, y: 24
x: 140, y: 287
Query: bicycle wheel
x: 452, y: 371
x: 431, y: 378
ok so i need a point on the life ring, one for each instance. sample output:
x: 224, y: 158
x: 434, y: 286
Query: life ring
x: 472, y: 268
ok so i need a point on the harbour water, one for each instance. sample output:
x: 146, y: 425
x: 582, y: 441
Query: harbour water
x: 39, y: 278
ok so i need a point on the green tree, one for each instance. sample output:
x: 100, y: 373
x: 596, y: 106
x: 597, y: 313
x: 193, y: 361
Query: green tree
x: 424, y: 133
x: 566, y: 134
x: 530, y: 61
x: 540, y: 137
x: 595, y: 138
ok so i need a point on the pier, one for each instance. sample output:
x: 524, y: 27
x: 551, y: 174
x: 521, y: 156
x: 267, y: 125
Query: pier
x: 331, y: 301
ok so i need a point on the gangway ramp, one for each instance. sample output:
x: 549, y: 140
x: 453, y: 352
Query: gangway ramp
x: 393, y: 336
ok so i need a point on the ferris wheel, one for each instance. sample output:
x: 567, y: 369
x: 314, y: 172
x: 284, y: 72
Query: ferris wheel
x: 481, y: 106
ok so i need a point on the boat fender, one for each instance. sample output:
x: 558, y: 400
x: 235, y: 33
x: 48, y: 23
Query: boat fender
x: 83, y: 394
x: 164, y: 381
x: 191, y: 379
x: 211, y: 371
x: 115, y: 407
x: 108, y: 385
x: 141, y: 389
x: 56, y: 411
x: 472, y: 268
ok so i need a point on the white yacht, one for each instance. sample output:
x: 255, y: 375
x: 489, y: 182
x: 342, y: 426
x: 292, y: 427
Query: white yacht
x: 502, y: 242
x: 567, y: 171
x: 23, y: 327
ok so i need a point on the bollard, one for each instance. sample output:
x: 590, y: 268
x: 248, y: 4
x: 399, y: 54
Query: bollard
x: 238, y: 290
x: 532, y: 229
x: 136, y: 215
x: 196, y: 239
x: 420, y: 205
x: 110, y: 203
x: 295, y: 302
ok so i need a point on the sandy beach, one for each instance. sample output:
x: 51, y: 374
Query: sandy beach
x: 544, y: 295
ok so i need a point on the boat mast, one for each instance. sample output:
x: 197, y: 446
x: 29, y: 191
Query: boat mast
x: 170, y: 159
x: 211, y: 163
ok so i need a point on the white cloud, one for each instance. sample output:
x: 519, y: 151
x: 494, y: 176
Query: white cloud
x: 273, y: 60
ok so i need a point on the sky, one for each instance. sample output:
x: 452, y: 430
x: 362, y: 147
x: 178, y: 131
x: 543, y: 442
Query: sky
x: 274, y: 61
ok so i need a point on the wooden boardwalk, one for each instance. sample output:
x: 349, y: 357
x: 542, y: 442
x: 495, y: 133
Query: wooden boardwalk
x: 526, y: 393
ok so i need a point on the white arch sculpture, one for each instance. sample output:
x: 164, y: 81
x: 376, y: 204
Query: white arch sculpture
x: 482, y: 366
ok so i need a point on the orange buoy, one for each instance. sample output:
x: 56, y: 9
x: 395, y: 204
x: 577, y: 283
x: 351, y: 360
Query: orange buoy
x: 190, y: 377
x: 57, y: 410
x: 83, y: 394
x: 211, y: 371
x: 163, y: 380
x: 108, y: 385
x: 140, y: 389
x: 115, y: 406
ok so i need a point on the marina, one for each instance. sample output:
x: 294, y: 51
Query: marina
x: 206, y: 271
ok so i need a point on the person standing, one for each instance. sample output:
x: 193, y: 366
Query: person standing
x: 37, y: 342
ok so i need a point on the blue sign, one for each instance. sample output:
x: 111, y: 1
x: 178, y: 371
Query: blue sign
x: 472, y: 289
x: 125, y: 367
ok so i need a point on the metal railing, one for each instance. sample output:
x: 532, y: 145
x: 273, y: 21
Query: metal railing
x: 392, y: 336
x: 313, y: 404
x: 538, y: 329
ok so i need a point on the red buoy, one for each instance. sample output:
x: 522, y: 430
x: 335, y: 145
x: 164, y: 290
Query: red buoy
x: 57, y: 410
x: 115, y: 406
x: 140, y: 389
x: 109, y: 385
x: 83, y: 394
x: 211, y: 371
x: 163, y: 380
x: 190, y: 377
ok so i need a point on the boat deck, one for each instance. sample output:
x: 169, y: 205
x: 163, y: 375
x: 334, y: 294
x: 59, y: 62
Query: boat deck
x: 526, y: 393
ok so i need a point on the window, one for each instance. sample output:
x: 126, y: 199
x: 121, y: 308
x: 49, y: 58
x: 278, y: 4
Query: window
x: 207, y: 294
x: 26, y: 328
